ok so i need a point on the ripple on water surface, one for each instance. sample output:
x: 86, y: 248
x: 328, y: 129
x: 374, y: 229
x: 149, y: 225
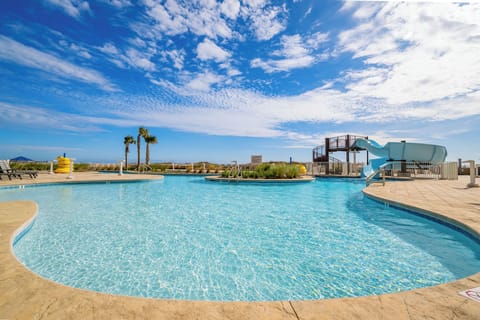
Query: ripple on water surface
x: 186, y: 238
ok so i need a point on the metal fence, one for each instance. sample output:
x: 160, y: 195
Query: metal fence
x: 412, y: 169
x: 392, y: 169
x: 334, y: 168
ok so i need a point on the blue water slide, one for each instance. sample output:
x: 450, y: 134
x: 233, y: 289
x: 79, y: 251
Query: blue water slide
x: 409, y: 151
x: 373, y: 166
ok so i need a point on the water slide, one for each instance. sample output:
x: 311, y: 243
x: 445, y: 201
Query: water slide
x: 397, y: 151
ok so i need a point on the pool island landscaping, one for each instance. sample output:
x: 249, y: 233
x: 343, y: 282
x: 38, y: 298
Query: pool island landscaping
x: 265, y: 172
x: 260, y: 180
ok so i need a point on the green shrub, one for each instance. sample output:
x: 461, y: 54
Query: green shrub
x: 226, y: 174
x: 80, y: 167
x: 160, y: 166
x: 293, y: 171
x: 37, y: 166
x: 253, y: 174
x: 265, y: 171
x: 277, y: 171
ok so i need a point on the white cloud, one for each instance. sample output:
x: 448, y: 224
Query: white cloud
x: 207, y: 50
x: 109, y: 48
x: 139, y: 60
x: 13, y: 51
x: 267, y: 21
x: 416, y: 52
x: 255, y: 4
x: 73, y: 8
x: 169, y: 23
x: 347, y: 6
x: 232, y: 112
x: 137, y: 42
x: 230, y: 8
x: 177, y: 57
x: 44, y: 118
x: 74, y: 48
x: 295, y: 53
x: 114, y: 54
x: 315, y: 40
x: 413, y: 1
x: 203, y: 18
x: 307, y: 13
x: 178, y: 90
x: 204, y: 81
x: 207, y: 21
x: 247, y: 113
x: 292, y: 46
x: 118, y: 3
x: 283, y: 64
x: 366, y: 11
x: 232, y: 72
x: 81, y: 51
x: 237, y: 112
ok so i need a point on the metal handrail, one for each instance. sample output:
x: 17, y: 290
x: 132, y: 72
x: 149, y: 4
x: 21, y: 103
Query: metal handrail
x: 144, y: 168
x: 335, y: 166
x: 381, y: 170
x: 406, y: 169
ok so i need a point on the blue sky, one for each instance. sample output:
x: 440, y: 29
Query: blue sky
x: 222, y: 80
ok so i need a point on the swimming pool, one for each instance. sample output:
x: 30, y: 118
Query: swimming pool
x: 185, y: 238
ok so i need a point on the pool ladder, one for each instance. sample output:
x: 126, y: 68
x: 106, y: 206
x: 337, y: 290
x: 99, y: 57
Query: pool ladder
x: 371, y: 178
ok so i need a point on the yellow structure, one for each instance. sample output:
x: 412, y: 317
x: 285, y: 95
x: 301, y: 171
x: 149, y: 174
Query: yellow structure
x: 302, y: 169
x: 63, y: 165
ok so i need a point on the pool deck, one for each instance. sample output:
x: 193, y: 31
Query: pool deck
x: 24, y: 295
x: 77, y: 177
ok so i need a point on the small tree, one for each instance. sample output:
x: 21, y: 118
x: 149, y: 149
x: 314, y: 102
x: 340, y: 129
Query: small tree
x: 127, y: 141
x: 149, y: 140
x: 142, y: 132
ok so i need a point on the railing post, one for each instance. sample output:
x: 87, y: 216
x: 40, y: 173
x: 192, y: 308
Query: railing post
x: 472, y: 183
x: 121, y: 168
x: 70, y: 176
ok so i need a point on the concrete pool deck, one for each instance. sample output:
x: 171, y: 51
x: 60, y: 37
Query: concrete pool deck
x: 25, y: 295
x: 44, y: 177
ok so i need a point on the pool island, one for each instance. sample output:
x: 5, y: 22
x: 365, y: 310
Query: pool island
x: 259, y: 180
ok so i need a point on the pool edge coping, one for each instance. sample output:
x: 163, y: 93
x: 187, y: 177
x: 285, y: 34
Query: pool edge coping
x: 428, y: 214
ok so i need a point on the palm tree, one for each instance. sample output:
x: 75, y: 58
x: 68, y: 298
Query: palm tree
x: 142, y: 132
x: 128, y: 140
x: 149, y: 140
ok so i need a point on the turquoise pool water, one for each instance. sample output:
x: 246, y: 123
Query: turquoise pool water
x: 186, y: 238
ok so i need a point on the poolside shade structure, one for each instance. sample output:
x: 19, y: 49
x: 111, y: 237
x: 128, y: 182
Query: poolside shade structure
x: 21, y: 159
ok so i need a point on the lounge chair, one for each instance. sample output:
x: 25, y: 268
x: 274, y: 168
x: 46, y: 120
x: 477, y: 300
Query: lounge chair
x: 10, y: 175
x: 6, y: 169
x: 5, y: 174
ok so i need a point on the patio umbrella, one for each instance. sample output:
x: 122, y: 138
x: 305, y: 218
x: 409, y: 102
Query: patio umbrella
x: 21, y: 159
